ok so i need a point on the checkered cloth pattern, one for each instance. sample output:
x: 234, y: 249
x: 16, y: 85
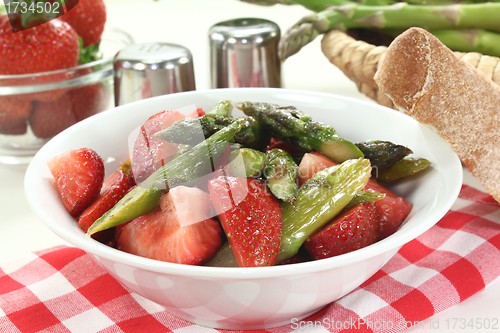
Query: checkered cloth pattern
x: 61, y: 289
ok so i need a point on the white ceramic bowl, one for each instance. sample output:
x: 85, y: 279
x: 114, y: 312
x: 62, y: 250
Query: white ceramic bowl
x: 252, y: 298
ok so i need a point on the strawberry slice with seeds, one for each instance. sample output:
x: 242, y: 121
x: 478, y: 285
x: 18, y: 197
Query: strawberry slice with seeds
x: 311, y: 163
x: 113, y: 189
x: 181, y: 200
x: 159, y: 234
x: 151, y: 152
x: 393, y: 209
x: 352, y: 229
x: 251, y: 218
x: 79, y: 175
x: 196, y: 113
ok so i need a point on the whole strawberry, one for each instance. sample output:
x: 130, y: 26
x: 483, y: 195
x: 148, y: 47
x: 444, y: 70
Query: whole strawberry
x: 88, y: 18
x: 89, y: 100
x: 47, y: 47
x: 50, y: 118
x: 14, y: 111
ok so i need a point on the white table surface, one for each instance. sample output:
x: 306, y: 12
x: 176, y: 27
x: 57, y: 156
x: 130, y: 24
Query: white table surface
x: 187, y: 22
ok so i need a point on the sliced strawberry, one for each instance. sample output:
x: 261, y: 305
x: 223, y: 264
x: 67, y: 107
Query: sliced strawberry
x: 79, y: 175
x: 312, y: 163
x: 14, y: 111
x: 251, y: 218
x: 392, y: 209
x: 113, y: 189
x: 151, y: 152
x: 181, y: 200
x: 50, y: 118
x: 196, y: 113
x: 159, y: 235
x: 352, y: 229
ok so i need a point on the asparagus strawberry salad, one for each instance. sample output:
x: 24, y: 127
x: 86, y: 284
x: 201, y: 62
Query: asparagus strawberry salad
x: 270, y: 187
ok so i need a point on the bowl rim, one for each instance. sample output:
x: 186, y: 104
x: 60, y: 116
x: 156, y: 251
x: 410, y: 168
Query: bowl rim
x: 100, y: 250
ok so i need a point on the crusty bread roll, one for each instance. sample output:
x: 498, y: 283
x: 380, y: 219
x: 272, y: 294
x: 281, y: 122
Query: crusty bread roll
x: 428, y: 82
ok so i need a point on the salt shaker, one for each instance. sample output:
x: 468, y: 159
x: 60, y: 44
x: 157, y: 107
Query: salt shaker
x: 244, y: 53
x: 152, y: 69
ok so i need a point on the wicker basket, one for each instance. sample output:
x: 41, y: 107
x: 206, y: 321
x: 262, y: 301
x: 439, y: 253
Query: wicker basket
x: 359, y: 61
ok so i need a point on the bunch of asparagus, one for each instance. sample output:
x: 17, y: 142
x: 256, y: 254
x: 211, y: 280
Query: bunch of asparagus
x: 462, y: 25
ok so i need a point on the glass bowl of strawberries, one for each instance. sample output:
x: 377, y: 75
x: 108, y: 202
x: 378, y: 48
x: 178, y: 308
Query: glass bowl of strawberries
x: 181, y: 200
x: 53, y: 75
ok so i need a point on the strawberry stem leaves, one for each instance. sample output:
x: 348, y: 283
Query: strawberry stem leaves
x: 88, y: 53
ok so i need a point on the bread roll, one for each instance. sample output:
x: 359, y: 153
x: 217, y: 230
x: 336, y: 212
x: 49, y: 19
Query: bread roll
x: 427, y: 81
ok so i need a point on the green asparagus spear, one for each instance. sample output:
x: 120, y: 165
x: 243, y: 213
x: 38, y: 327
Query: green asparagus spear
x: 221, y: 109
x: 281, y: 174
x: 182, y: 149
x: 223, y: 258
x: 145, y: 197
x: 319, y: 200
x: 319, y: 5
x: 383, y: 154
x: 253, y: 135
x: 404, y: 168
x: 297, y: 129
x: 462, y: 40
x: 470, y: 40
x: 365, y: 196
x: 246, y: 162
x: 400, y: 15
x: 193, y: 130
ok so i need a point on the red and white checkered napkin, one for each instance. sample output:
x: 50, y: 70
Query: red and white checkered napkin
x: 61, y: 289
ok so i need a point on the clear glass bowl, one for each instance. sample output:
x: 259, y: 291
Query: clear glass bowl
x: 36, y: 107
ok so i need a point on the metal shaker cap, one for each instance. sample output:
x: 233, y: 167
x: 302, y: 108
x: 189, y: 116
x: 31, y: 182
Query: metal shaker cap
x: 244, y: 53
x: 152, y: 69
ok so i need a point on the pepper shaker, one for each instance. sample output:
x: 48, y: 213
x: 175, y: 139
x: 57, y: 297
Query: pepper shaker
x: 244, y: 53
x: 152, y: 69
